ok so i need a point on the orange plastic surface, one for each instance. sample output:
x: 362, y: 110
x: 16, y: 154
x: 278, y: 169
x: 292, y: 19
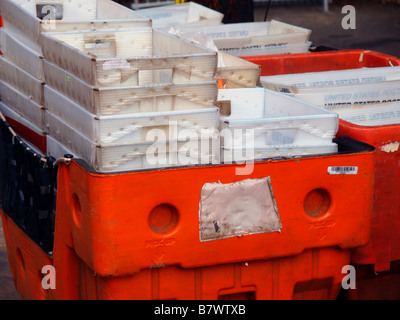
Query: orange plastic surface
x: 312, y: 275
x: 108, y: 243
x: 384, y: 246
x: 321, y: 61
x: 108, y: 217
x: 26, y: 261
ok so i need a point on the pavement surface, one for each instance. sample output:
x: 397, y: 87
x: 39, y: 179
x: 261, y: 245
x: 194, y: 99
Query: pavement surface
x: 377, y: 28
x: 377, y: 25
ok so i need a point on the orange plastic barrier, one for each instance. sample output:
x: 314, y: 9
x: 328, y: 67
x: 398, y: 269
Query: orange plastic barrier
x: 384, y: 246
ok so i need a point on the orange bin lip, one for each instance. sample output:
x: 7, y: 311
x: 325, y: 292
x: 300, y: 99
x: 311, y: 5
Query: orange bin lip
x: 321, y: 61
x: 106, y: 216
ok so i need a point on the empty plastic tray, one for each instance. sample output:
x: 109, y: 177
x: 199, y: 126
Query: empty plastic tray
x: 22, y: 120
x: 256, y: 38
x: 20, y: 103
x: 31, y: 18
x: 135, y: 156
x: 140, y: 56
x: 288, y: 82
x: 347, y: 96
x: 185, y: 14
x: 377, y: 115
x: 21, y: 54
x: 21, y: 80
x: 118, y: 129
x: 275, y: 122
x: 125, y: 100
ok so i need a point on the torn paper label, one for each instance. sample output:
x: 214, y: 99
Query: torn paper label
x: 236, y: 209
x: 391, y: 147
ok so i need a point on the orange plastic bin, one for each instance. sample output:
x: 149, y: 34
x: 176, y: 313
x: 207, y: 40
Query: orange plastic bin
x: 136, y: 235
x: 384, y: 246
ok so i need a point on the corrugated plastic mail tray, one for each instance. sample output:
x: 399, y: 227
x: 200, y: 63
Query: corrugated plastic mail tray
x: 140, y: 56
x: 32, y: 18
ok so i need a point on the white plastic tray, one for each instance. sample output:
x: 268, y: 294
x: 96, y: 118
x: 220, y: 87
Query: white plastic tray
x: 278, y: 49
x: 21, y: 80
x: 377, y: 115
x: 237, y: 72
x: 274, y: 121
x: 126, y: 157
x: 289, y: 82
x: 75, y: 15
x: 21, y: 54
x: 11, y: 113
x: 352, y: 95
x: 55, y: 149
x: 140, y: 56
x: 106, y: 130
x: 185, y: 14
x: 133, y: 99
x: 20, y: 103
x: 234, y: 71
x: 256, y: 38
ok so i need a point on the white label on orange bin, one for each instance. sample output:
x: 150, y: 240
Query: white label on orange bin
x: 236, y: 209
x: 343, y: 170
x: 390, y: 147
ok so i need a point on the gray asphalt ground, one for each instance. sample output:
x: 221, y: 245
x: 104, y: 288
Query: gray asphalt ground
x: 377, y: 28
x: 377, y: 24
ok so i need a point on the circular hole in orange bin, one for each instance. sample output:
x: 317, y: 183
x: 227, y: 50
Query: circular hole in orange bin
x: 76, y: 210
x: 163, y: 218
x: 317, y: 203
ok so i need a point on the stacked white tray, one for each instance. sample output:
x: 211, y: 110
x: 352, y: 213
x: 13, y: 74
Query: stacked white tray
x: 21, y: 65
x: 185, y: 14
x: 367, y: 96
x: 256, y: 38
x: 21, y: 91
x: 28, y: 19
x: 114, y: 96
x: 232, y: 72
x: 292, y: 83
x: 138, y: 141
x: 260, y: 123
